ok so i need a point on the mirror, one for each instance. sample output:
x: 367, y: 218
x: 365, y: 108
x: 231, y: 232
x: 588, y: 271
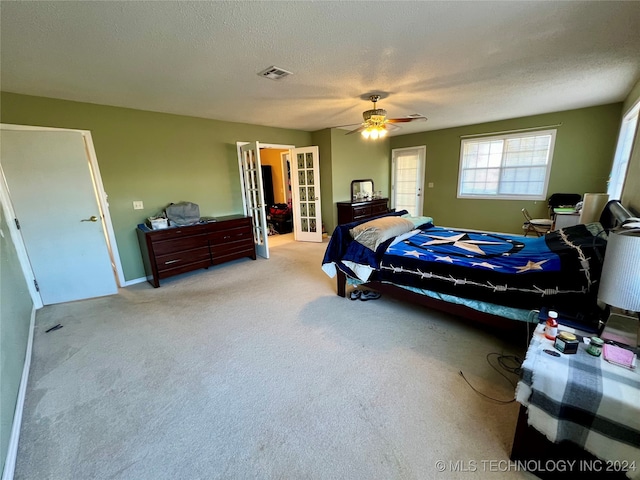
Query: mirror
x: 361, y: 190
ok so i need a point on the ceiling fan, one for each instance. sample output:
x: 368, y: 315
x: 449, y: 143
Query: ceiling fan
x: 376, y: 124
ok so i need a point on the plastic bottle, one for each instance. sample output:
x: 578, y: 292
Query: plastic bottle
x: 551, y: 327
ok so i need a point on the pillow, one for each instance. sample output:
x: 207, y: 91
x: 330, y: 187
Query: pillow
x: 418, y: 221
x: 374, y: 232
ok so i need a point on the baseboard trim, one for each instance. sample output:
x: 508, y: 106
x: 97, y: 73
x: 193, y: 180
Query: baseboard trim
x: 12, y: 450
x: 135, y: 281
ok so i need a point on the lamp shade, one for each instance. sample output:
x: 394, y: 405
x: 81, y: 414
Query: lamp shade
x: 620, y: 281
x: 592, y: 206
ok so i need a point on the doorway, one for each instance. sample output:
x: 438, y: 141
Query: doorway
x: 277, y: 194
x: 301, y: 188
x: 407, y: 179
x: 77, y: 257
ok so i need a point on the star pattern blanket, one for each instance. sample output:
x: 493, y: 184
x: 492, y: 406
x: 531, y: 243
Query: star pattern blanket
x: 559, y: 269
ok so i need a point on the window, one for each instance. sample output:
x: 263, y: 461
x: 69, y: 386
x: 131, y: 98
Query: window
x: 514, y: 166
x: 623, y: 153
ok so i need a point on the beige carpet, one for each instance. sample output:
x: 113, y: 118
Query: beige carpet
x: 257, y: 370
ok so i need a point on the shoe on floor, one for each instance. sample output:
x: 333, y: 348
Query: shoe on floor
x: 369, y: 295
x: 355, y: 294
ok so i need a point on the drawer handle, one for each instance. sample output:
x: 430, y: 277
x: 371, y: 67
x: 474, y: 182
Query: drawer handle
x: 171, y: 261
x: 227, y: 237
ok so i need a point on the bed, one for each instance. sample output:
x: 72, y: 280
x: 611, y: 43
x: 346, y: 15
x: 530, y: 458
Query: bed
x: 479, y: 275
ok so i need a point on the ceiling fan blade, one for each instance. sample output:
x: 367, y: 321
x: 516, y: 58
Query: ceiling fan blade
x: 347, y: 125
x: 407, y: 119
x: 357, y: 130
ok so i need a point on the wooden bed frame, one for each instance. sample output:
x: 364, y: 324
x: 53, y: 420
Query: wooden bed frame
x: 613, y: 215
x: 452, y: 308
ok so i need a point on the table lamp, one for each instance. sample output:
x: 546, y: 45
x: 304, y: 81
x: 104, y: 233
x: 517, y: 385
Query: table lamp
x: 592, y: 206
x: 620, y: 285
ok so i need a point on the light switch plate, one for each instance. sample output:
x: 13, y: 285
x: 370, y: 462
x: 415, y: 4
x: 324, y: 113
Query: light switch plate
x: 138, y: 205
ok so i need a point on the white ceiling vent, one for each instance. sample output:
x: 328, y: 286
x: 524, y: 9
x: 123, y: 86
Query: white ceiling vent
x: 274, y: 73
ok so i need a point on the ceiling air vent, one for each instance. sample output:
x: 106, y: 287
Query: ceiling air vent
x: 274, y: 73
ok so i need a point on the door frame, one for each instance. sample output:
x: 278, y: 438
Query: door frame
x: 420, y: 181
x: 101, y: 198
x: 286, y: 169
x: 275, y: 146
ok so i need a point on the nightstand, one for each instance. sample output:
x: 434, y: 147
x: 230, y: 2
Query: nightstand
x: 579, y: 402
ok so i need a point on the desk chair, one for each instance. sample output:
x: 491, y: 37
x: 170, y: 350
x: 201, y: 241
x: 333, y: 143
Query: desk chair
x: 539, y: 226
x: 558, y: 200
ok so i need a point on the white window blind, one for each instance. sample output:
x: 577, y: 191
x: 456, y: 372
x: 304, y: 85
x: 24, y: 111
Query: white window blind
x: 623, y: 153
x: 514, y: 166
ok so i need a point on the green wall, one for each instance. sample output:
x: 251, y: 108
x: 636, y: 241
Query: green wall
x: 631, y: 190
x: 584, y: 149
x: 355, y: 157
x: 154, y: 157
x: 322, y: 139
x: 345, y: 158
x: 15, y: 317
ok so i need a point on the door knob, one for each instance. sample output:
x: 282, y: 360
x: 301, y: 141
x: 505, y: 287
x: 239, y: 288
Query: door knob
x: 92, y: 218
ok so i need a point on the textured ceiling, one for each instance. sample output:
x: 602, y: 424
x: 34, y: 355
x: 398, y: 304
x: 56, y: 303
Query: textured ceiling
x: 457, y: 63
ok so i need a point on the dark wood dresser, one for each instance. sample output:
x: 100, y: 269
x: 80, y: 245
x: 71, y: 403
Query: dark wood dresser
x: 178, y: 250
x: 351, y: 211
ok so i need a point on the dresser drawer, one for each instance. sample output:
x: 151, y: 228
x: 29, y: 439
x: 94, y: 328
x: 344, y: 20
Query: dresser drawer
x: 379, y: 209
x: 176, y: 232
x: 358, y: 211
x: 244, y: 222
x: 180, y: 244
x: 176, y: 260
x: 230, y: 251
x: 231, y: 235
x: 361, y: 211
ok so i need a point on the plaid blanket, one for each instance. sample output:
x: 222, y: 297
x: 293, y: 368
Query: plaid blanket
x: 583, y: 399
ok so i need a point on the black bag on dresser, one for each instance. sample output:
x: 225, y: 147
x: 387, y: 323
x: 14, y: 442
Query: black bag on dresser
x: 183, y: 213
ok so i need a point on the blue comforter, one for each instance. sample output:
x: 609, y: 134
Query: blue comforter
x: 560, y: 270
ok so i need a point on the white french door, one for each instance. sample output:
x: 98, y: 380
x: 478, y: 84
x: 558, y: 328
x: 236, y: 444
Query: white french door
x: 407, y: 179
x: 305, y: 180
x: 253, y: 194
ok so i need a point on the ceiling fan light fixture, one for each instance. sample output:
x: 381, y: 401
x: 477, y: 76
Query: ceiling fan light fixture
x: 377, y: 125
x: 374, y: 132
x: 375, y: 115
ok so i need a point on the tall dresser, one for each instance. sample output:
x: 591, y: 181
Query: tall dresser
x: 178, y: 250
x: 351, y: 211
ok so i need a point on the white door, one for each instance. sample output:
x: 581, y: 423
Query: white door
x: 305, y: 179
x: 407, y: 179
x: 54, y: 198
x: 253, y: 194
